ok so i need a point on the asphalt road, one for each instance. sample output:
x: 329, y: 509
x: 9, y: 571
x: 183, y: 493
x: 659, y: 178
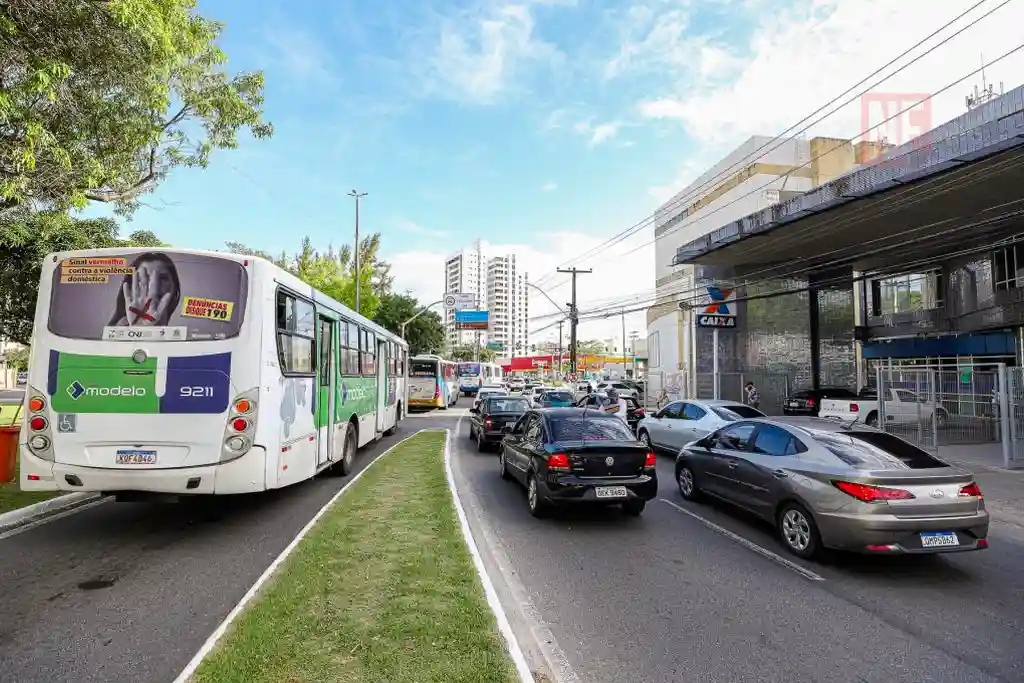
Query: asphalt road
x: 125, y: 592
x: 666, y: 598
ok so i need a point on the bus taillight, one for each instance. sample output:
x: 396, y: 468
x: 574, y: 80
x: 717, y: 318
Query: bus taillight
x: 437, y: 391
x: 41, y: 440
x: 241, y: 425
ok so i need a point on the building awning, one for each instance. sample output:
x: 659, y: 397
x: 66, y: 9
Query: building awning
x: 959, y: 188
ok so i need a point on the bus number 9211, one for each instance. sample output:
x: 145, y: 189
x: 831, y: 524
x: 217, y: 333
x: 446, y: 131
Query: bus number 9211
x: 196, y: 392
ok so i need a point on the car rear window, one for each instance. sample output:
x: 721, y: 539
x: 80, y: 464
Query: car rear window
x: 736, y: 412
x: 590, y: 429
x: 507, y: 405
x: 558, y: 396
x: 865, y: 450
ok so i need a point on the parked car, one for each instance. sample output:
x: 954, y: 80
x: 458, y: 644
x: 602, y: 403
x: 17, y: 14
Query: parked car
x: 681, y: 422
x: 566, y: 456
x: 491, y: 416
x: 808, y: 401
x: 559, y: 398
x: 486, y: 391
x: 902, y: 407
x: 829, y: 484
x: 597, y: 401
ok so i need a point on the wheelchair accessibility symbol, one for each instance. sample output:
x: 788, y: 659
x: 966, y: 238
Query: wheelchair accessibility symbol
x: 67, y: 423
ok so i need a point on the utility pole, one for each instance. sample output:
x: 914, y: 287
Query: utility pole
x: 574, y: 317
x: 560, y: 323
x: 355, y: 254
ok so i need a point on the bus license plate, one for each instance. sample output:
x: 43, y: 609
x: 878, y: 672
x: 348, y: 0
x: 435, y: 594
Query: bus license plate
x: 942, y: 539
x: 611, y: 491
x: 135, y: 457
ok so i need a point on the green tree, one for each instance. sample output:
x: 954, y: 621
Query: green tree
x: 18, y: 358
x: 425, y: 334
x: 24, y: 243
x: 467, y: 352
x: 99, y: 100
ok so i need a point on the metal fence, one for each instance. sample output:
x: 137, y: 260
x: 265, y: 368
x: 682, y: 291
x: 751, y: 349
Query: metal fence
x: 773, y: 388
x: 663, y: 387
x: 936, y: 406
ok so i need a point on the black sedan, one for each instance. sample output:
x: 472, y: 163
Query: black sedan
x: 567, y: 456
x: 808, y: 401
x: 492, y: 414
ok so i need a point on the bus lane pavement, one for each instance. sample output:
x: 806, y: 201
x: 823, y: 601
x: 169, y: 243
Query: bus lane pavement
x: 127, y: 592
x: 668, y: 596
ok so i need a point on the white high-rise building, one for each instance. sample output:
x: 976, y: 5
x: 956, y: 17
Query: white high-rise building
x: 500, y: 287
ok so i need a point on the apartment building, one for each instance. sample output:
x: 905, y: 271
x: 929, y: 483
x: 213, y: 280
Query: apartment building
x: 500, y: 286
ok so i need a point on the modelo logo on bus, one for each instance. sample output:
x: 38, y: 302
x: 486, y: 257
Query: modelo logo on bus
x: 77, y: 390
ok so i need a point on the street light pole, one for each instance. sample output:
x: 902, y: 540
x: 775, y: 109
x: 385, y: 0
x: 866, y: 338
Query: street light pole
x: 420, y: 312
x: 355, y: 254
x: 623, y: 318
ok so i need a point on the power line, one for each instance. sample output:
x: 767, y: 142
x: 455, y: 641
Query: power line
x: 648, y: 221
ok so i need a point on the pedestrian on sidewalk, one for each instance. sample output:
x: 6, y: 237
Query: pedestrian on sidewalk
x: 753, y: 397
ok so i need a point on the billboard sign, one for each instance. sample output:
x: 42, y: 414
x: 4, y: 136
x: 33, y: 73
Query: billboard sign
x: 718, y: 311
x: 471, y: 320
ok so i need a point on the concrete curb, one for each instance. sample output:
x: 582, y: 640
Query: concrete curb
x: 30, y: 513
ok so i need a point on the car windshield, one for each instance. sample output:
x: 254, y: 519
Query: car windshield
x: 870, y: 451
x: 561, y: 396
x: 590, y: 429
x: 507, y: 405
x: 735, y: 412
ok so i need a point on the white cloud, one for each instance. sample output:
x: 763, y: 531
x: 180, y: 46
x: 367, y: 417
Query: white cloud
x: 422, y: 272
x: 416, y: 228
x: 480, y: 54
x: 549, y: 187
x: 800, y: 58
x: 597, y: 133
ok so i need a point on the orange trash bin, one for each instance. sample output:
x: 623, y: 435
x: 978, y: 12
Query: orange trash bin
x: 8, y: 453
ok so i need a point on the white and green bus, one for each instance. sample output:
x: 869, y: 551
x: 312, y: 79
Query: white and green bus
x: 180, y: 371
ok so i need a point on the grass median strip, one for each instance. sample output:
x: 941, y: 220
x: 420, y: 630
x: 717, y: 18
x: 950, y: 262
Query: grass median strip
x: 382, y: 590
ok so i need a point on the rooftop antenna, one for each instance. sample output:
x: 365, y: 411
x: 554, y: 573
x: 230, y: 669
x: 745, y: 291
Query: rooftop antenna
x: 986, y: 94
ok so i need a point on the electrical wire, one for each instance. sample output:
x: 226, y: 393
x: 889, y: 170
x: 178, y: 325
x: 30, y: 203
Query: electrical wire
x: 648, y: 221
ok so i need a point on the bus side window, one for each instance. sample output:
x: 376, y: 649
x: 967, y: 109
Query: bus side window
x: 350, y: 350
x: 370, y: 354
x: 295, y: 335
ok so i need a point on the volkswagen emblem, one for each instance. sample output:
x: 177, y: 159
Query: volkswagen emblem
x: 937, y: 493
x: 609, y: 461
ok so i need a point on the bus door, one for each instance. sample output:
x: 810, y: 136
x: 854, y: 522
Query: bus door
x: 385, y: 398
x: 326, y: 373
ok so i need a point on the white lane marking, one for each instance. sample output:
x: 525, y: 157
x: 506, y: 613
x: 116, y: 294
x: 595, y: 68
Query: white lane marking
x: 514, y: 650
x: 211, y: 642
x: 46, y: 520
x: 750, y: 545
x: 543, y: 638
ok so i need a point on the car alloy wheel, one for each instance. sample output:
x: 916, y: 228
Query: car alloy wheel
x: 798, y: 531
x: 533, y: 497
x: 502, y: 465
x: 686, y: 484
x: 645, y: 439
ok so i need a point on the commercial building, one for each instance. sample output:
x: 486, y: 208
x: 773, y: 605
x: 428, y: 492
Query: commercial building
x: 761, y: 172
x: 914, y: 261
x: 500, y: 287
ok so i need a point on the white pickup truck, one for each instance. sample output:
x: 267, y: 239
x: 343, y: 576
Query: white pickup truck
x: 902, y: 406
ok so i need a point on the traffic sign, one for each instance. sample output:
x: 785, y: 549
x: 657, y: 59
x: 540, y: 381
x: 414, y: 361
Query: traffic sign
x: 572, y: 377
x: 727, y: 322
x: 460, y: 301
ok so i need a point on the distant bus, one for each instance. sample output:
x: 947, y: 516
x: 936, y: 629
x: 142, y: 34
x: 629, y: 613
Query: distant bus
x: 472, y: 376
x: 178, y: 371
x: 433, y: 382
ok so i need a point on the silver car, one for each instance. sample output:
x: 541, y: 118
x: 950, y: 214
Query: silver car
x: 830, y: 484
x: 681, y: 422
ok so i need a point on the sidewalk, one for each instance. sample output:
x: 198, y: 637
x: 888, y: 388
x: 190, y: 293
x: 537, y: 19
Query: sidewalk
x: 1003, y: 489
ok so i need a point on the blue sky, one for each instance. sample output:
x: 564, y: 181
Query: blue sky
x: 540, y: 125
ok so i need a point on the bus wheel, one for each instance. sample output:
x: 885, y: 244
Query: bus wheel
x: 348, y: 452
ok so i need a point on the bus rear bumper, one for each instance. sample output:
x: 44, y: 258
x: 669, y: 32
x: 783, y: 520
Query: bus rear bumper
x: 243, y: 475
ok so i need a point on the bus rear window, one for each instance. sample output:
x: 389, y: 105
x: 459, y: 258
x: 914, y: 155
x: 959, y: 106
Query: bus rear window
x: 420, y: 368
x: 151, y: 296
x: 469, y: 369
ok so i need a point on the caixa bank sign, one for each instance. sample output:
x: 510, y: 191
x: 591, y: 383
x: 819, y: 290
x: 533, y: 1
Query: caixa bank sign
x: 77, y: 390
